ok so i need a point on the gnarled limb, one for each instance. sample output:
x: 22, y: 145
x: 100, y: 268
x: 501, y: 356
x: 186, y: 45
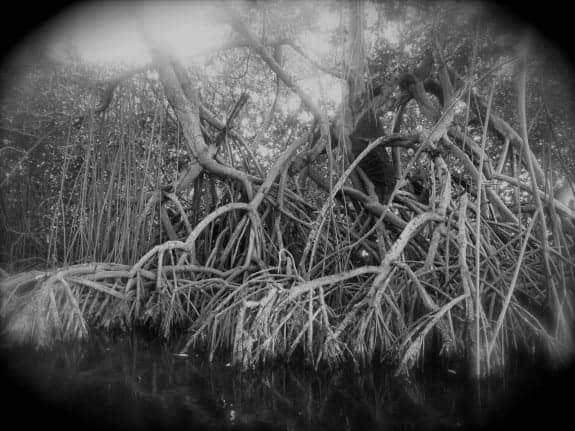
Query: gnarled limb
x: 188, y: 111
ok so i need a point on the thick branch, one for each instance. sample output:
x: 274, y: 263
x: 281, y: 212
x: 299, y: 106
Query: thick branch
x: 273, y: 65
x: 187, y: 108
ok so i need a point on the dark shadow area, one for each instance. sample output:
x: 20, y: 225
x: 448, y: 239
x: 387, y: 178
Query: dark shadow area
x: 130, y: 383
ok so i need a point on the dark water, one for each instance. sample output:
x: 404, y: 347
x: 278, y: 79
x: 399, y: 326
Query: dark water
x: 129, y: 383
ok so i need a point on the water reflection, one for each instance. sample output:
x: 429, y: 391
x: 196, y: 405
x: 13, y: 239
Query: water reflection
x: 131, y: 382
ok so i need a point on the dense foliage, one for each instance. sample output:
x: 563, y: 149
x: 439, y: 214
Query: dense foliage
x: 275, y: 197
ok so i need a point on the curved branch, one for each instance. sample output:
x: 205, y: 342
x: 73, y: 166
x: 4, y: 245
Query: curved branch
x: 413, y: 227
x: 108, y: 91
x: 239, y: 26
x: 184, y: 98
x: 207, y: 115
x: 213, y: 166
